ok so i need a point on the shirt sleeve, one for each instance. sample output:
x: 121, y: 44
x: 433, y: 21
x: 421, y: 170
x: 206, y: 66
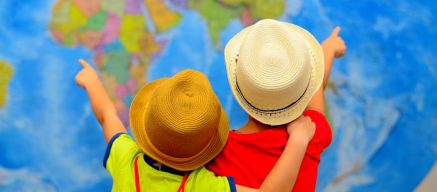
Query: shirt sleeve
x: 205, y: 180
x: 322, y: 136
x: 120, y: 153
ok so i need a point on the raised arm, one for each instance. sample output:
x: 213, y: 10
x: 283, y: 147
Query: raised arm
x: 333, y: 47
x: 102, y: 106
x: 284, y: 174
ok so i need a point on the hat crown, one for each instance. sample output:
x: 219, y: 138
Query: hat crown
x: 273, y: 62
x: 183, y: 115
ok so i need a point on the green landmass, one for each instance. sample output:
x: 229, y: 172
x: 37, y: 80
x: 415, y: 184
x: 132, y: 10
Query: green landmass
x: 260, y: 9
x: 6, y: 72
x: 216, y: 14
x: 96, y: 22
x: 117, y: 65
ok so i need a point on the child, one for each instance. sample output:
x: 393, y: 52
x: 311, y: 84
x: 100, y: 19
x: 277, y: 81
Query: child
x: 275, y: 70
x: 179, y: 126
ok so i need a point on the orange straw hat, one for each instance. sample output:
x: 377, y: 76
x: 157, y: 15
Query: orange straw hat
x: 178, y: 121
x: 274, y: 68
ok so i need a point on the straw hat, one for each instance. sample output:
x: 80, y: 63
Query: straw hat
x: 274, y: 69
x: 178, y: 121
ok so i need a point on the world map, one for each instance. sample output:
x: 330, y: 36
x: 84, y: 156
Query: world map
x: 380, y: 99
x: 123, y: 47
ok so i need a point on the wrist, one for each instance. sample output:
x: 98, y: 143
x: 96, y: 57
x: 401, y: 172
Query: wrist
x: 92, y: 83
x: 327, y: 49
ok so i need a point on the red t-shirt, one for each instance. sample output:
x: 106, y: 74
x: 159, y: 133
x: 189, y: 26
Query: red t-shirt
x: 250, y: 157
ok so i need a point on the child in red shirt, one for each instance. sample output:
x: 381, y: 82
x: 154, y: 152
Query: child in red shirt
x: 270, y: 65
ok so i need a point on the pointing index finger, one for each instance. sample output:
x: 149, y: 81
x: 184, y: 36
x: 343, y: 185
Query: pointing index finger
x: 84, y: 63
x: 336, y: 31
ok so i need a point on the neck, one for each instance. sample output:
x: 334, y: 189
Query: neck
x: 253, y: 126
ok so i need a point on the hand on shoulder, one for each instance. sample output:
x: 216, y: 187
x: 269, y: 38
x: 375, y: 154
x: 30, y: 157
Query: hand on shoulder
x: 303, y: 128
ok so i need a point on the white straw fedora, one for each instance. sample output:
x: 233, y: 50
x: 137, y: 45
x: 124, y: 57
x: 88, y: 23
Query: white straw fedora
x: 274, y: 68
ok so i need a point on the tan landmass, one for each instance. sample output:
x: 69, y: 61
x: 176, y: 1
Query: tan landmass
x: 163, y: 18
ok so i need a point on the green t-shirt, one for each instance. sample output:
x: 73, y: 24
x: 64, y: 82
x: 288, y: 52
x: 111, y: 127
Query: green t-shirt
x: 119, y: 161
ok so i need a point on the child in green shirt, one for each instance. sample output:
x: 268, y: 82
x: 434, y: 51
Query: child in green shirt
x: 179, y: 126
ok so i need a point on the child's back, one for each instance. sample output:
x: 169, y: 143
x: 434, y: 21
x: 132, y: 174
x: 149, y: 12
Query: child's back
x: 178, y: 122
x: 276, y: 73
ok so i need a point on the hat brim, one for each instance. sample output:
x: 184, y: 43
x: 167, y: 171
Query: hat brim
x: 282, y: 116
x: 137, y: 116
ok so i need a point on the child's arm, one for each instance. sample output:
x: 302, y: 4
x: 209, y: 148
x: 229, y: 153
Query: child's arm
x: 333, y: 47
x: 102, y: 106
x: 284, y: 174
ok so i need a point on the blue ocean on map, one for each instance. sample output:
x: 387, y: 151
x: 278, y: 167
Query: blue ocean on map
x: 381, y: 97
